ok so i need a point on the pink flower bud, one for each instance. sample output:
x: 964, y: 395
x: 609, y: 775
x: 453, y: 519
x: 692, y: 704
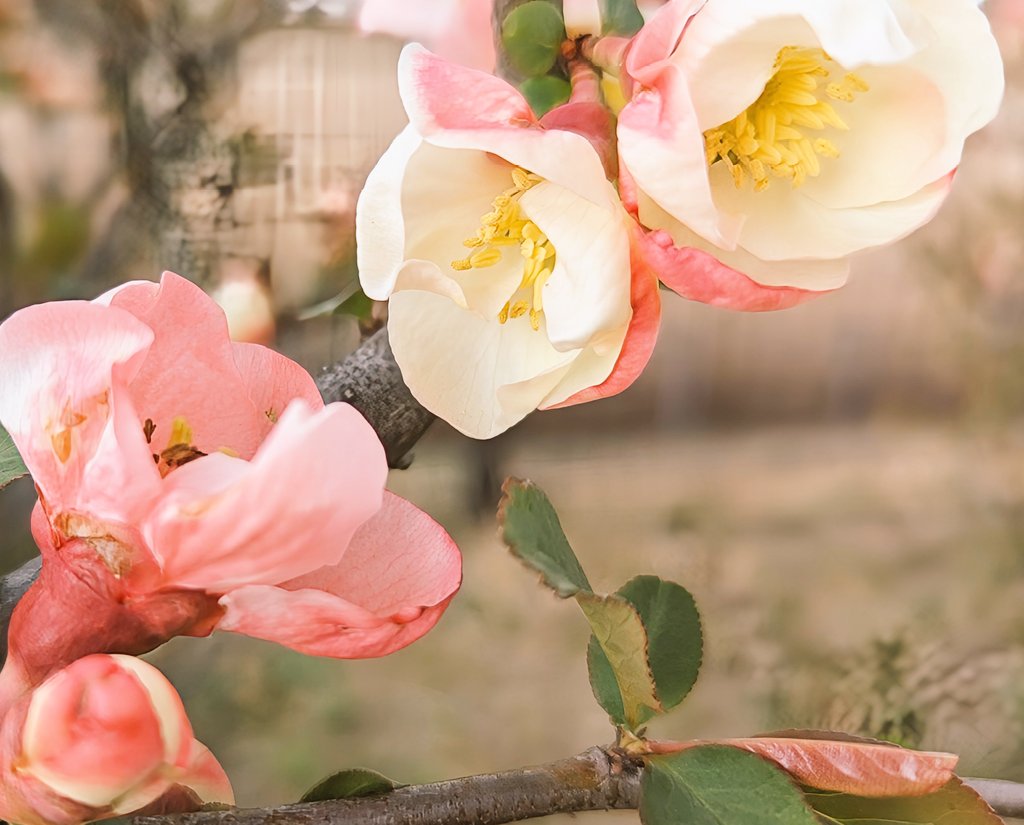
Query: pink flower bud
x: 105, y: 736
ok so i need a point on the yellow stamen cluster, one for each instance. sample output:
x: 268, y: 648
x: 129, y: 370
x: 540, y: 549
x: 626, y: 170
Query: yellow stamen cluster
x: 505, y: 225
x: 768, y: 139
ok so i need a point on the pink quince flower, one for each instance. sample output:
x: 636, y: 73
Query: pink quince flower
x: 459, y: 30
x: 103, y: 737
x: 509, y: 262
x: 188, y: 483
x: 767, y: 140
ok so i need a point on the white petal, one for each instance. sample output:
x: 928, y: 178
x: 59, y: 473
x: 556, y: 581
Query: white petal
x: 588, y: 293
x: 784, y: 224
x: 457, y: 363
x: 380, y: 233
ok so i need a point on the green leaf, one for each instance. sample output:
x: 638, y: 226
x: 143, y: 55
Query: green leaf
x: 954, y: 804
x: 675, y: 641
x: 11, y: 465
x: 350, y: 784
x: 620, y: 17
x: 532, y: 36
x: 718, y: 785
x: 529, y: 526
x: 672, y: 650
x: 603, y: 683
x: 545, y: 93
x: 621, y: 639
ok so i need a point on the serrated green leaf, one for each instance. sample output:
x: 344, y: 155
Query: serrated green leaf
x: 673, y: 648
x: 603, y: 683
x: 11, y: 465
x: 530, y: 528
x: 674, y: 640
x: 621, y: 637
x: 717, y: 785
x: 954, y: 804
x: 545, y: 93
x: 532, y: 36
x: 350, y: 784
x: 620, y: 17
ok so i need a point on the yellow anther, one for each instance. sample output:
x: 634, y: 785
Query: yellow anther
x: 181, y: 432
x: 768, y: 138
x: 488, y: 256
x: 506, y: 225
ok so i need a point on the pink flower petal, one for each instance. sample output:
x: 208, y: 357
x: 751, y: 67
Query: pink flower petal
x: 434, y: 90
x: 640, y: 337
x: 656, y: 41
x: 662, y: 146
x: 65, y: 367
x: 274, y: 381
x: 224, y: 522
x: 861, y: 768
x: 699, y: 276
x: 392, y: 585
x: 190, y: 371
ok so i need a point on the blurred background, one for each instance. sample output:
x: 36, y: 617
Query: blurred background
x: 841, y: 484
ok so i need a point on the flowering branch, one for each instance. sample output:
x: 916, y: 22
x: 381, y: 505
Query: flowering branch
x: 596, y: 780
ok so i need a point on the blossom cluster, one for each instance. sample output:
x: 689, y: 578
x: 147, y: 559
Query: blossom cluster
x: 186, y: 484
x: 735, y: 151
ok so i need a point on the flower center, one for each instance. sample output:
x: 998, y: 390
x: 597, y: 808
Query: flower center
x: 179, y: 449
x: 768, y: 138
x: 505, y: 225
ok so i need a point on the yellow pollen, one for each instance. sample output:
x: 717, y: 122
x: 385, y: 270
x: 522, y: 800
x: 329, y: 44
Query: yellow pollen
x: 504, y: 226
x: 181, y: 432
x: 767, y: 139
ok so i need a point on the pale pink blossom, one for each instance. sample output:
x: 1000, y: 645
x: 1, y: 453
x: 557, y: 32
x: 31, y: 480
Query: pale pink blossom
x: 187, y: 483
x: 508, y: 259
x: 103, y: 737
x: 767, y: 140
x: 459, y: 30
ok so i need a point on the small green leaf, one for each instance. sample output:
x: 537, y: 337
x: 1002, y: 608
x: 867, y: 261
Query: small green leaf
x: 954, y: 804
x: 11, y: 465
x: 358, y: 305
x: 672, y: 650
x: 718, y: 785
x: 675, y: 641
x: 529, y: 526
x: 532, y: 36
x: 350, y: 784
x: 620, y: 17
x: 622, y: 640
x: 602, y: 682
x: 545, y: 93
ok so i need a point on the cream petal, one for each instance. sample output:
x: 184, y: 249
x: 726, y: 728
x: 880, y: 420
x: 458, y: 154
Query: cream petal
x: 783, y: 224
x: 455, y: 361
x: 588, y: 292
x: 380, y: 226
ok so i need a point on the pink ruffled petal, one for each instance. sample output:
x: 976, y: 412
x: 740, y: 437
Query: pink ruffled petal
x: 394, y: 582
x: 657, y: 40
x: 190, y: 371
x: 433, y: 90
x: 641, y: 335
x: 662, y: 146
x: 699, y: 276
x: 65, y: 367
x: 274, y: 381
x: 224, y: 522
